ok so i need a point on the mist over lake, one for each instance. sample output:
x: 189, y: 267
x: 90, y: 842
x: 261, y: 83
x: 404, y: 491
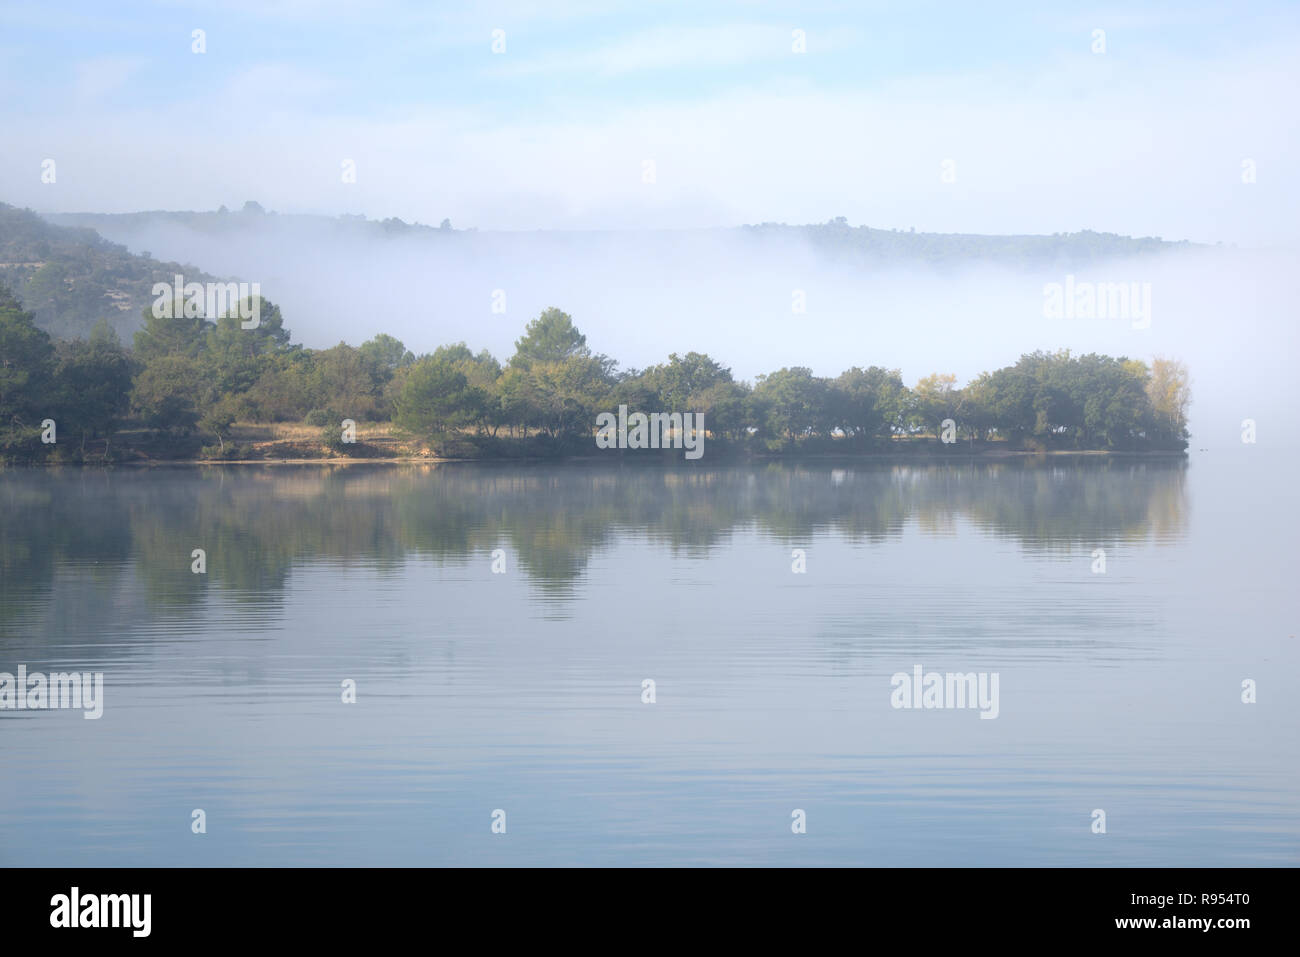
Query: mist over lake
x: 917, y: 302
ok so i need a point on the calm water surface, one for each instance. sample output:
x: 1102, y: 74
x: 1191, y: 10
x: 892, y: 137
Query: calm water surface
x: 522, y: 691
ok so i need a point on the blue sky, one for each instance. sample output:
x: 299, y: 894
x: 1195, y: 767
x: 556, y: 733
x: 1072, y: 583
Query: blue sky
x: 1044, y: 134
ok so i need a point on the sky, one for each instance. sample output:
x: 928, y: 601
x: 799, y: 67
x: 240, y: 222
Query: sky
x: 952, y: 117
x: 1174, y: 120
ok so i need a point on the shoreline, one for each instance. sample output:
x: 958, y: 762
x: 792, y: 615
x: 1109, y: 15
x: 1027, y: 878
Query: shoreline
x: 915, y: 457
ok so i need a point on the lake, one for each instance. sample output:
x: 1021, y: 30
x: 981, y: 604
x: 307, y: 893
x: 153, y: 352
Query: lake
x: 500, y: 622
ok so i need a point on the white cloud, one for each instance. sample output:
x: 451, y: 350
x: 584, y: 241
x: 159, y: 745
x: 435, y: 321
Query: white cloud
x: 1148, y: 149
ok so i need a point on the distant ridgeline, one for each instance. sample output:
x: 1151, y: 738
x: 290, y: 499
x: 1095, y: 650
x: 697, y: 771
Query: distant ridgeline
x: 252, y: 214
x: 836, y: 239
x: 70, y: 278
x: 841, y: 242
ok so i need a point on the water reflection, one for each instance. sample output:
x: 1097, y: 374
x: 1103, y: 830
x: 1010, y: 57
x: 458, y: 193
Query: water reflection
x: 255, y: 524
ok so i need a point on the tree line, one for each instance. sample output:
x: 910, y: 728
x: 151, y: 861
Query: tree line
x: 191, y: 378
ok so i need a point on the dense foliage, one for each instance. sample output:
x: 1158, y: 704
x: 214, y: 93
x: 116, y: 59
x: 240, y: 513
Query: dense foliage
x: 187, y: 376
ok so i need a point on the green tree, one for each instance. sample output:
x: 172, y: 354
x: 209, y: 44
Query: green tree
x: 1113, y: 393
x: 482, y: 372
x: 344, y: 383
x: 218, y: 416
x: 167, y: 336
x: 1010, y: 399
x: 92, y: 383
x: 166, y: 394
x: 565, y: 396
x: 637, y: 390
x: 551, y: 337
x: 48, y: 289
x: 979, y: 399
x: 867, y: 403
x: 437, y: 399
x: 287, y: 387
x: 725, y: 407
x: 683, y: 377
x: 936, y: 398
x: 26, y: 368
x: 793, y: 402
x: 386, y: 354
